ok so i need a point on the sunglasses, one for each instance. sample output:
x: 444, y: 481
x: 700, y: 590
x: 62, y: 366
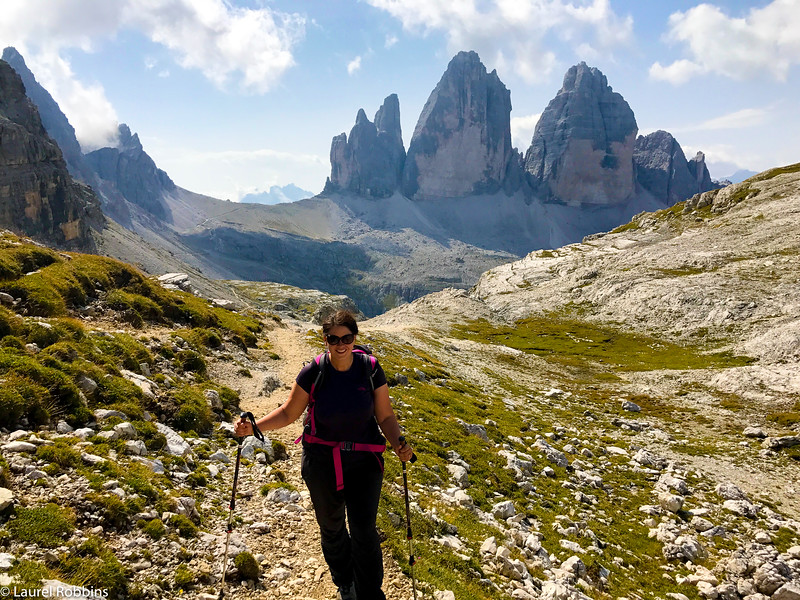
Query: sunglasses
x: 335, y: 340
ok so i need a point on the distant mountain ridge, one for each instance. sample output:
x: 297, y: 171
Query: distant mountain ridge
x: 277, y: 195
x: 397, y: 224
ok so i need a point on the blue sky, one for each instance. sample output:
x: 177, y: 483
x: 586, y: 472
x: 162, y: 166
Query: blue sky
x: 231, y: 97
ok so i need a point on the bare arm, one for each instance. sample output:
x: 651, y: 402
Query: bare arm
x: 282, y: 416
x: 388, y: 423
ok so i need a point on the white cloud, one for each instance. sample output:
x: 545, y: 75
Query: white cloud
x: 88, y: 109
x: 515, y: 34
x: 391, y: 40
x: 221, y: 40
x: 748, y: 117
x: 677, y: 73
x: 740, y: 119
x: 522, y: 130
x: 354, y: 65
x: 248, y: 47
x: 764, y: 42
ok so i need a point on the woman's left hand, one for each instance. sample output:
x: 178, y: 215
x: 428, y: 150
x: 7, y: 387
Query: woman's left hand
x: 404, y: 452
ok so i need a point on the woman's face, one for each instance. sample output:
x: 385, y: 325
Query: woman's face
x: 335, y: 340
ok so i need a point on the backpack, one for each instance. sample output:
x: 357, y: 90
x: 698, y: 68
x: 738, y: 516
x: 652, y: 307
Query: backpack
x: 309, y: 427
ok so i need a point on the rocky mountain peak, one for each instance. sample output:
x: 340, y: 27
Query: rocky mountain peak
x: 54, y: 120
x: 662, y: 169
x: 582, y: 147
x: 133, y: 173
x: 37, y: 194
x: 387, y: 119
x: 699, y: 170
x: 370, y: 162
x: 462, y: 142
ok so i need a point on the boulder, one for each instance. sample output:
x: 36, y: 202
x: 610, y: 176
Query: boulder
x: 125, y: 431
x: 503, y: 510
x: 462, y: 142
x: 6, y: 561
x: 730, y: 491
x: 770, y: 576
x: 743, y: 508
x: 19, y: 447
x: 459, y: 474
x: 788, y: 591
x: 176, y: 445
x: 582, y: 147
x: 6, y: 498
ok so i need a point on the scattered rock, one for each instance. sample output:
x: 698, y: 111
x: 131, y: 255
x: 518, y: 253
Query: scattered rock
x: 6, y: 498
x: 19, y: 447
x: 729, y: 491
x: 631, y: 406
x: 6, y: 561
x: 176, y: 445
x: 754, y: 432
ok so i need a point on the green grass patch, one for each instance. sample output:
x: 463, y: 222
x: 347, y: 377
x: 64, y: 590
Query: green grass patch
x: 184, y: 525
x: 247, y: 565
x: 93, y: 565
x: 28, y: 576
x: 47, y: 525
x: 154, y: 528
x: 61, y: 453
x: 573, y: 342
x: 786, y: 419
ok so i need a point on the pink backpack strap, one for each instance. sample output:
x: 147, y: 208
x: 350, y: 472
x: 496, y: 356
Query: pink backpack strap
x: 309, y: 420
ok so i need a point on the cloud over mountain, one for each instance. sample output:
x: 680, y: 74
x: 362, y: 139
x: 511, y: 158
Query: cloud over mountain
x: 251, y: 48
x: 512, y: 35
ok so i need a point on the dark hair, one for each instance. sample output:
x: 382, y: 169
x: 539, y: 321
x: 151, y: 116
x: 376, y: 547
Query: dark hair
x: 340, y: 317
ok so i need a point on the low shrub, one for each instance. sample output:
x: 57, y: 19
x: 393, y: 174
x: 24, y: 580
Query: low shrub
x: 247, y: 566
x: 191, y: 411
x: 191, y: 361
x: 153, y: 439
x: 184, y: 578
x: 114, y: 510
x: 154, y: 528
x: 61, y: 453
x: 47, y: 525
x: 94, y: 565
x: 184, y: 525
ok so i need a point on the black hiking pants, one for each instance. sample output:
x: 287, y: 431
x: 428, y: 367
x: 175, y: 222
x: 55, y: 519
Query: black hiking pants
x: 353, y: 556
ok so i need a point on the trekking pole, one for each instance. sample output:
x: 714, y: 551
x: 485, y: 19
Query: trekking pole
x: 409, y: 534
x: 245, y: 416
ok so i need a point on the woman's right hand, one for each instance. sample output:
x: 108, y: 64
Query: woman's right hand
x: 242, y: 428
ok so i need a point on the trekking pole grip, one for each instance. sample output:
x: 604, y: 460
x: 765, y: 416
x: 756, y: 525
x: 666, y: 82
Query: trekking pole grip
x: 402, y: 440
x: 248, y: 416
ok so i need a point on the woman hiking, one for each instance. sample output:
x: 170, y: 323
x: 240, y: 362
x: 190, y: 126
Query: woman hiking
x: 348, y: 404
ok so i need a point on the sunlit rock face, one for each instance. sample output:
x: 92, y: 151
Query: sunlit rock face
x: 37, y: 195
x: 462, y: 143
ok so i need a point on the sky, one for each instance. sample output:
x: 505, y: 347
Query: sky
x: 232, y: 97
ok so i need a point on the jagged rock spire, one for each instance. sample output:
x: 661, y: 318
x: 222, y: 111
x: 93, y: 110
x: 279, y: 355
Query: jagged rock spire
x: 370, y: 162
x: 462, y: 142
